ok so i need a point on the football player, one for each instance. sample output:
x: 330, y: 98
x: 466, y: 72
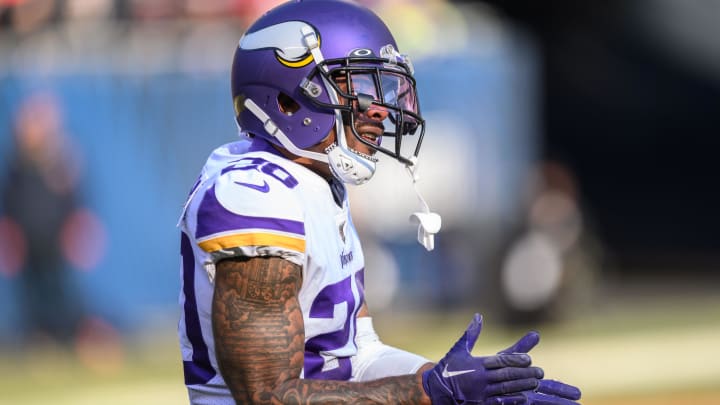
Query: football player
x: 272, y: 268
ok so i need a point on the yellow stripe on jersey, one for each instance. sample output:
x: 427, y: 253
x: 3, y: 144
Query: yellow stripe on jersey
x: 252, y: 239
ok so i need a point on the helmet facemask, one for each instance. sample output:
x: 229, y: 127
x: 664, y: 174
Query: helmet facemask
x: 365, y: 83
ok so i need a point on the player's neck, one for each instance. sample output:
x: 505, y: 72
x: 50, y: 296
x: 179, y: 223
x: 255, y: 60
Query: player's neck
x: 320, y: 168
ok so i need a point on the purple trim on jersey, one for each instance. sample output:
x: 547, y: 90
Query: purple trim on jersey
x: 360, y: 281
x: 214, y: 218
x: 199, y: 370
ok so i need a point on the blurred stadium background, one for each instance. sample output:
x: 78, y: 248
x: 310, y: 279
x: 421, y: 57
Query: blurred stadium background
x: 571, y: 150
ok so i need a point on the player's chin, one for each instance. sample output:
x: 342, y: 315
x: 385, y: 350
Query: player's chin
x: 369, y: 152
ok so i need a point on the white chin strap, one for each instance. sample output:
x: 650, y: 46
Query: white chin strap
x: 429, y: 223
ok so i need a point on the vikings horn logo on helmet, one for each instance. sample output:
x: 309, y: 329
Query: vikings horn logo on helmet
x: 286, y: 38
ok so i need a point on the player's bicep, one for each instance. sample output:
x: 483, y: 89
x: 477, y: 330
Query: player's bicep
x: 257, y: 324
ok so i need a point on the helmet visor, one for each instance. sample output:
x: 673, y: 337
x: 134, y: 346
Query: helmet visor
x: 377, y: 85
x: 387, y: 88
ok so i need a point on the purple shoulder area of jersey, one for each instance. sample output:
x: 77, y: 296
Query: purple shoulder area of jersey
x: 213, y: 218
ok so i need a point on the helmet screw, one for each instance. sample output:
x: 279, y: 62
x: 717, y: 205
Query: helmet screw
x: 307, y: 121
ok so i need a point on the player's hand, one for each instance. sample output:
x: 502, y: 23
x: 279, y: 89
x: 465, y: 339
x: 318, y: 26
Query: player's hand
x: 548, y: 392
x: 461, y: 377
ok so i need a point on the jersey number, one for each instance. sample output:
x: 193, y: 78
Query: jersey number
x: 324, y: 307
x: 263, y: 166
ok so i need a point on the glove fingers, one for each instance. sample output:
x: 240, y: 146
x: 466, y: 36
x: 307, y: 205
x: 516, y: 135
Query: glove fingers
x: 514, y: 373
x: 528, y: 398
x: 473, y: 331
x: 506, y: 360
x: 510, y: 387
x: 558, y: 388
x: 506, y: 400
x: 468, y: 339
x: 524, y: 345
x: 542, y: 399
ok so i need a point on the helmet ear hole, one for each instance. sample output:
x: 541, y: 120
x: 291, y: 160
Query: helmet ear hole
x: 286, y: 104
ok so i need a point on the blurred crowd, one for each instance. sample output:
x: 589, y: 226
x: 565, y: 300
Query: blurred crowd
x: 27, y: 16
x: 150, y: 36
x: 24, y: 17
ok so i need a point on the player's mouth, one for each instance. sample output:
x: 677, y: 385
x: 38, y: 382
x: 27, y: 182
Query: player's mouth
x: 371, y: 133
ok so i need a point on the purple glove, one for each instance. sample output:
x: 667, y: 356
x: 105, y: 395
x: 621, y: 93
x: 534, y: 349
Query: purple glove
x: 548, y: 392
x: 460, y: 377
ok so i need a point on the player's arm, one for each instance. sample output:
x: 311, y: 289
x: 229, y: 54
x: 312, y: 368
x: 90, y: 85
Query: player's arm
x: 259, y: 341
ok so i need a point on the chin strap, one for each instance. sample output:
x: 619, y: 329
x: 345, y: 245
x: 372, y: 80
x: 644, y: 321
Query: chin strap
x: 429, y: 223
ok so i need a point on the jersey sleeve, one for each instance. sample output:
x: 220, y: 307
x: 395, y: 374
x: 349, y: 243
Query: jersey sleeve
x: 248, y: 212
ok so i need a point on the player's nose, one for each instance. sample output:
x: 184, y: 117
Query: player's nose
x: 376, y: 113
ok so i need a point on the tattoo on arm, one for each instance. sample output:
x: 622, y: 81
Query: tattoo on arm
x: 260, y: 341
x: 391, y: 390
x: 257, y: 325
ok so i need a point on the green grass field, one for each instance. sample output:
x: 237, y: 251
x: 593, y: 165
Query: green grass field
x: 656, y: 353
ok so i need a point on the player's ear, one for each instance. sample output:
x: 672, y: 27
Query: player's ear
x: 287, y: 104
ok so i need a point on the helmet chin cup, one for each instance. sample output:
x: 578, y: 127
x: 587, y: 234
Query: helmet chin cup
x: 348, y: 166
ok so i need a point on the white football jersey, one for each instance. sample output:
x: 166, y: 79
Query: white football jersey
x: 250, y: 201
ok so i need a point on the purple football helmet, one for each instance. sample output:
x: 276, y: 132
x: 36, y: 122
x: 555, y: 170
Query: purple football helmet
x: 300, y: 51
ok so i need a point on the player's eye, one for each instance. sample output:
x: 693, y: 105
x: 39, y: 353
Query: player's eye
x: 364, y: 83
